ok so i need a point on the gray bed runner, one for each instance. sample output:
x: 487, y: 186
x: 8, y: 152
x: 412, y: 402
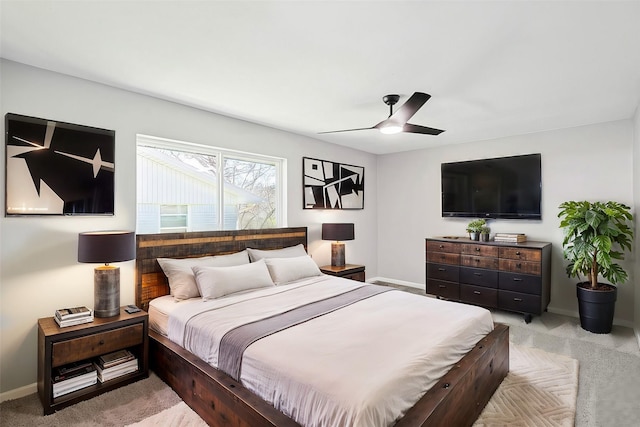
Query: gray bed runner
x: 236, y: 341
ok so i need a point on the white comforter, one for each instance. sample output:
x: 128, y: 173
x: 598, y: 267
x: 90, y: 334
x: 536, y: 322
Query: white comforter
x: 363, y: 365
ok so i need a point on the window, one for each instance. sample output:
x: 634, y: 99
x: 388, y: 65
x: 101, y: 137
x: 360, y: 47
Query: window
x: 181, y: 187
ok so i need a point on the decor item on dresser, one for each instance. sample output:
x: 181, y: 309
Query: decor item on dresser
x: 106, y: 247
x: 595, y: 235
x: 508, y: 276
x: 57, y: 168
x: 330, y: 185
x: 475, y: 227
x: 338, y: 232
x: 510, y: 237
x: 484, y: 233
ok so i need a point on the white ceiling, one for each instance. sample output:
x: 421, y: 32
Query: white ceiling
x: 493, y: 69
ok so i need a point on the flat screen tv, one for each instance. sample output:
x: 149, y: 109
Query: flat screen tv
x: 58, y: 168
x: 505, y: 187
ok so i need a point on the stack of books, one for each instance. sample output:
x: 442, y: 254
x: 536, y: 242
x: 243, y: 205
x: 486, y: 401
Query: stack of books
x: 116, y: 364
x: 73, y: 316
x: 510, y: 237
x: 73, y: 377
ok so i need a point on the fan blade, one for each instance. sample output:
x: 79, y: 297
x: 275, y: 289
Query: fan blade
x: 345, y: 130
x: 409, y: 108
x: 409, y: 128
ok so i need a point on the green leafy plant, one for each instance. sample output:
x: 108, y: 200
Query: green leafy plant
x: 595, y: 235
x: 485, y: 229
x: 476, y: 225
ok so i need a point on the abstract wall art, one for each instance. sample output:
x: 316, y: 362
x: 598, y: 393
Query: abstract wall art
x: 331, y: 185
x: 56, y: 168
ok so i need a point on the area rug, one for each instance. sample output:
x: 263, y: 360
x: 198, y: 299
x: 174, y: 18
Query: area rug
x: 540, y: 390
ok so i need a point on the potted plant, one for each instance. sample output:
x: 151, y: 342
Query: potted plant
x: 484, y: 233
x: 474, y: 228
x: 596, y: 234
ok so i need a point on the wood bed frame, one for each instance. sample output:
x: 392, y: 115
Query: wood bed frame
x: 455, y: 400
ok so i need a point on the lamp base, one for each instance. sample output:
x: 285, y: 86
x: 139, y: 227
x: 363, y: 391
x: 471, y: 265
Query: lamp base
x: 337, y: 254
x: 106, y: 291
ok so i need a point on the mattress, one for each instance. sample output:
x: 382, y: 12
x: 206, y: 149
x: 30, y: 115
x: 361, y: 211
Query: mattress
x: 362, y: 365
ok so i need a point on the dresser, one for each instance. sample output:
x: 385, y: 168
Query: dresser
x: 507, y: 276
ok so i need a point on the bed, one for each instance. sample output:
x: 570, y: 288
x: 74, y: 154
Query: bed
x: 456, y: 398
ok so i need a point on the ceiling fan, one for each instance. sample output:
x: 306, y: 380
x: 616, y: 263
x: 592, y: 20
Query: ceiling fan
x: 397, y: 122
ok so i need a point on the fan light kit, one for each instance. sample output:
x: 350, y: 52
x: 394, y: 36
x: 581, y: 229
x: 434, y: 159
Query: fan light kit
x: 397, y: 122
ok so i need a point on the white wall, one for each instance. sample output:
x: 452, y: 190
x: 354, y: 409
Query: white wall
x: 38, y: 267
x: 636, y: 192
x: 590, y: 162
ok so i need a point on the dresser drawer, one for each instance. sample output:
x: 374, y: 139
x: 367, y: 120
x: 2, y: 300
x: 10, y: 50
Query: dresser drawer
x: 515, y: 301
x: 443, y: 258
x: 520, y: 283
x: 96, y: 344
x: 479, y: 295
x: 479, y: 250
x: 479, y: 262
x: 443, y: 289
x: 525, y: 267
x: 479, y: 276
x: 436, y: 246
x: 521, y: 254
x: 446, y: 272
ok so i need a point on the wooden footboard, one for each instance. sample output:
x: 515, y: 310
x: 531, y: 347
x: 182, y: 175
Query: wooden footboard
x: 456, y: 400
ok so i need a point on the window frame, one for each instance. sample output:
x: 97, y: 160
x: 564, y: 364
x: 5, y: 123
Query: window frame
x: 279, y: 163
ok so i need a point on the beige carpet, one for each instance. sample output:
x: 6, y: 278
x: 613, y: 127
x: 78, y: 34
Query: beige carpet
x: 540, y: 390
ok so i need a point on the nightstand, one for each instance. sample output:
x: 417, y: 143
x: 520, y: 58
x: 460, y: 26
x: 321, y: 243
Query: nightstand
x: 349, y: 271
x: 61, y: 346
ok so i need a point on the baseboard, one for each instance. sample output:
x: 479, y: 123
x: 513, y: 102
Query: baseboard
x: 397, y: 282
x: 19, y: 392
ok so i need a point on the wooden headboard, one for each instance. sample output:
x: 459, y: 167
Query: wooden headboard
x: 150, y: 279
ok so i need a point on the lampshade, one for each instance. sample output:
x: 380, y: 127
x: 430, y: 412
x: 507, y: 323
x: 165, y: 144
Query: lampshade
x: 337, y: 231
x: 106, y: 246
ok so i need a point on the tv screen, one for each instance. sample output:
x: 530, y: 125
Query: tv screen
x: 505, y: 187
x: 58, y: 168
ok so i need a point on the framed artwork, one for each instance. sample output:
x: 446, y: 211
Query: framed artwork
x: 56, y: 168
x: 331, y: 185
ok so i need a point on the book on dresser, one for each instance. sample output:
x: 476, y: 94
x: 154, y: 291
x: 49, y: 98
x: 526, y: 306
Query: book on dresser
x: 510, y: 237
x: 116, y: 364
x: 73, y: 316
x: 72, y: 377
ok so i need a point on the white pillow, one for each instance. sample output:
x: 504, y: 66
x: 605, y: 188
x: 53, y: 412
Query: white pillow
x: 216, y: 282
x: 285, y: 270
x: 291, y: 251
x: 180, y: 274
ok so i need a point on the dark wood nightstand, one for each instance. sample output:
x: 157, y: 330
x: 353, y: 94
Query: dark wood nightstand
x: 61, y: 346
x: 349, y: 271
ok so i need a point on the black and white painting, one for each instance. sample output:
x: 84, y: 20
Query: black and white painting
x: 331, y: 185
x: 56, y: 168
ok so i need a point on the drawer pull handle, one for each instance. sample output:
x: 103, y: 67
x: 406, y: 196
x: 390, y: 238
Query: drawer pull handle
x: 442, y: 269
x: 477, y: 274
x: 101, y: 342
x: 441, y: 246
x: 477, y: 260
x: 518, y: 299
x: 518, y: 253
x: 477, y: 292
x: 517, y: 279
x: 477, y: 249
x: 442, y: 286
x: 518, y: 265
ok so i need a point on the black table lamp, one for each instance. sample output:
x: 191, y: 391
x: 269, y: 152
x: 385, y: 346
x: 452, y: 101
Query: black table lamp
x: 337, y: 232
x: 106, y: 247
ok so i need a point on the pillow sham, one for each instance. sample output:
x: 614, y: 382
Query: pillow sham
x: 285, y: 270
x: 289, y: 252
x: 216, y: 282
x: 182, y: 282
